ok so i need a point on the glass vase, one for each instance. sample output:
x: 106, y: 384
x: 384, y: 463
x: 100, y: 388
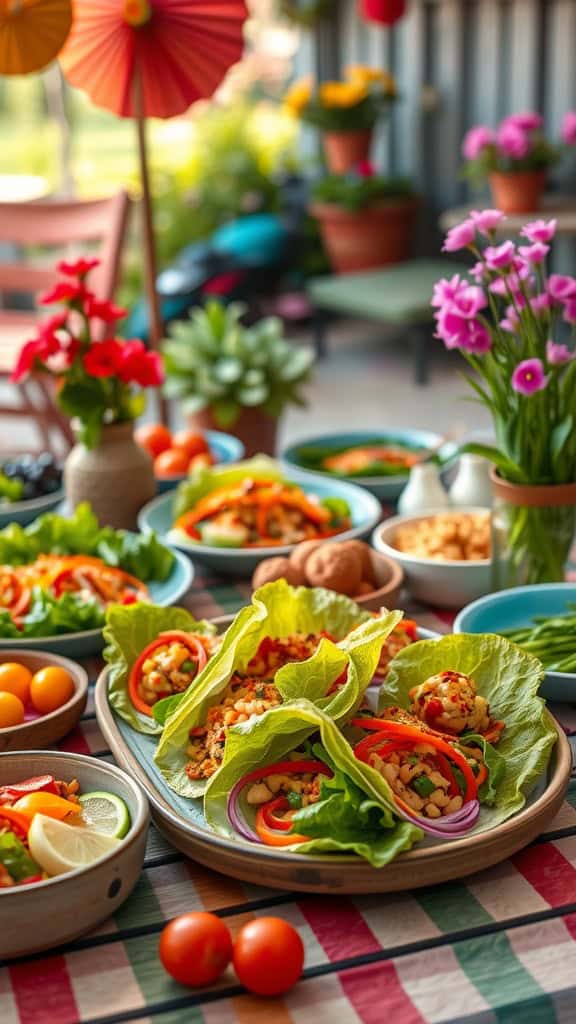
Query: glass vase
x: 533, y: 529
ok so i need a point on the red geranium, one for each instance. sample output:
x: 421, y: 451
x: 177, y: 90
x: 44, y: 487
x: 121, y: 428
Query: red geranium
x: 108, y: 312
x: 33, y: 353
x: 103, y: 358
x: 64, y: 291
x: 139, y: 366
x: 80, y: 268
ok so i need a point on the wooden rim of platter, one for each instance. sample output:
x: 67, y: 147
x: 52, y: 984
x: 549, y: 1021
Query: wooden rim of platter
x: 342, y: 873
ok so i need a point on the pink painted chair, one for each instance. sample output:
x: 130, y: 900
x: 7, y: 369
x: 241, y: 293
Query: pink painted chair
x: 99, y: 224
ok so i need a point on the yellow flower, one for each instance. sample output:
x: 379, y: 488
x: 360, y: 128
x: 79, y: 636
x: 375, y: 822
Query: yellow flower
x: 298, y: 96
x: 372, y: 76
x: 342, y: 94
x: 136, y: 12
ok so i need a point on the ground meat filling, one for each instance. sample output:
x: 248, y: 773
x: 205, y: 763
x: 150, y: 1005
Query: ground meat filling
x: 415, y: 778
x: 449, y: 703
x: 299, y: 790
x: 395, y: 643
x: 170, y: 669
x: 251, y: 692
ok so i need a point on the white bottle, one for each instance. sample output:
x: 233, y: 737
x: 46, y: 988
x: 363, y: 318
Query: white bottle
x: 423, y: 491
x: 472, y: 485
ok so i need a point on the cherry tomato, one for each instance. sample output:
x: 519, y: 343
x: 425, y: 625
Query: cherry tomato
x: 154, y: 438
x: 16, y: 679
x: 173, y: 462
x: 50, y: 688
x: 192, y: 442
x: 195, y: 948
x: 268, y: 956
x: 205, y: 459
x: 11, y: 711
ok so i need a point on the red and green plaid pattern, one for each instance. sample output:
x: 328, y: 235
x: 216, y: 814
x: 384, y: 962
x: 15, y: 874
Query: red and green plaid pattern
x: 497, y: 947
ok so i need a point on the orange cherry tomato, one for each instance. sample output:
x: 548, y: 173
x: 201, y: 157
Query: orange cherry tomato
x: 16, y: 679
x: 268, y: 956
x: 173, y: 462
x: 195, y: 948
x: 46, y: 803
x: 192, y: 442
x: 11, y: 711
x: 50, y: 688
x: 205, y: 459
x: 154, y: 438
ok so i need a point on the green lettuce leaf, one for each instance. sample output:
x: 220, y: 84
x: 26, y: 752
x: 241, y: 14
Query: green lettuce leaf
x: 208, y: 478
x: 15, y: 858
x: 54, y: 616
x: 356, y: 810
x: 129, y: 629
x: 280, y: 610
x: 509, y: 679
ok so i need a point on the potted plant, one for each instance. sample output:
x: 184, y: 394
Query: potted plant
x: 232, y: 377
x: 365, y: 220
x: 344, y: 112
x: 515, y: 159
x: 99, y: 386
x: 508, y: 327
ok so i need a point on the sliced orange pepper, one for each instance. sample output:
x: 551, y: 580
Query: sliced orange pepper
x: 46, y: 803
x: 271, y: 837
x: 15, y: 818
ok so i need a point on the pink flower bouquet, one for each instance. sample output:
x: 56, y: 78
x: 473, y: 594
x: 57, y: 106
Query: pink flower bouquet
x: 96, y: 379
x: 518, y: 144
x: 516, y: 327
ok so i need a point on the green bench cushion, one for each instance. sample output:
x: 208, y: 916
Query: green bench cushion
x: 396, y: 295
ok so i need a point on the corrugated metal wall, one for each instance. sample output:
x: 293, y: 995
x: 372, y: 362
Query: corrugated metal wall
x: 457, y: 62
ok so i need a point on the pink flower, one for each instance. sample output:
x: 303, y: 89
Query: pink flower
x: 513, y: 141
x: 447, y: 289
x: 561, y: 287
x: 478, y: 271
x: 529, y: 122
x: 486, y: 221
x: 535, y: 253
x: 569, y: 314
x: 365, y: 168
x: 470, y: 300
x: 499, y: 257
x: 460, y: 237
x: 80, y: 268
x: 511, y: 321
x: 478, y: 340
x: 459, y: 331
x: 540, y: 303
x: 529, y: 377
x: 540, y: 230
x: 569, y: 128
x: 557, y: 355
x: 475, y: 140
x: 103, y: 358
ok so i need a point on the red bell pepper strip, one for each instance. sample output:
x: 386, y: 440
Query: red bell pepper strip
x: 17, y: 822
x: 188, y: 640
x: 36, y: 784
x: 271, y: 819
x: 272, y: 837
x: 21, y: 594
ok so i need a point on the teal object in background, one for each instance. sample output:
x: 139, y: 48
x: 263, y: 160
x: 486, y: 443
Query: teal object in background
x: 512, y: 609
x: 224, y: 447
x: 24, y: 512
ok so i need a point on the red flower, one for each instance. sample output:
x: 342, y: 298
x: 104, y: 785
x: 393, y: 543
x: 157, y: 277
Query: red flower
x: 54, y: 323
x: 78, y: 269
x: 103, y: 358
x: 365, y: 168
x: 105, y: 311
x: 139, y: 366
x: 65, y: 291
x: 39, y: 350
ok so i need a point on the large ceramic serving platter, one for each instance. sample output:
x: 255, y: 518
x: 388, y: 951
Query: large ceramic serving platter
x: 385, y: 488
x: 183, y: 823
x: 81, y: 645
x: 516, y: 608
x: 158, y: 515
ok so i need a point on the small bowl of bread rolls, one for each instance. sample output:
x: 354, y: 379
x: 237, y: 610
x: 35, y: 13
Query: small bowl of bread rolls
x: 348, y: 567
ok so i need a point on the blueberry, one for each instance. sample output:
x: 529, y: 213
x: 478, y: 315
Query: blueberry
x: 46, y: 459
x: 29, y: 491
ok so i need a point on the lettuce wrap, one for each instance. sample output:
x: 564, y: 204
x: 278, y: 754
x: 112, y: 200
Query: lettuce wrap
x: 129, y: 629
x: 355, y: 813
x: 278, y: 610
x: 509, y: 679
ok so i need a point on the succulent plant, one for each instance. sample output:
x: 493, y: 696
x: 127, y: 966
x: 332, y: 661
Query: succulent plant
x: 213, y: 360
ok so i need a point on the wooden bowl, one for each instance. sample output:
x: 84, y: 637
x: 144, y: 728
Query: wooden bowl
x: 46, y: 914
x: 389, y: 576
x: 48, y: 729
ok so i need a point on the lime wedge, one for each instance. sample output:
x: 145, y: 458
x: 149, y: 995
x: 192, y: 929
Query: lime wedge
x: 106, y: 813
x: 58, y: 847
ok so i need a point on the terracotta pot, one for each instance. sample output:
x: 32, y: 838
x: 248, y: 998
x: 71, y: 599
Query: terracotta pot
x: 345, y: 150
x: 518, y: 191
x: 256, y: 429
x: 376, y: 236
x: 116, y: 477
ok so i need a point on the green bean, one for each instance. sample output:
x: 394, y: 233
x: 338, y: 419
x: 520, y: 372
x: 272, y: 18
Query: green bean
x: 551, y: 638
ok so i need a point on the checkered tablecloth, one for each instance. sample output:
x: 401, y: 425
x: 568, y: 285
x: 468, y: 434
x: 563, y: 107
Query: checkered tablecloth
x: 497, y: 947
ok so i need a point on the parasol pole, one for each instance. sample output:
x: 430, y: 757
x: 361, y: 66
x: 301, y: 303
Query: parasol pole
x: 156, y: 331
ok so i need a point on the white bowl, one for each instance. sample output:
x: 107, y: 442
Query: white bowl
x: 440, y: 582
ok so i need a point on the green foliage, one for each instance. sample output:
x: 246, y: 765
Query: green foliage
x: 213, y: 361
x: 356, y: 191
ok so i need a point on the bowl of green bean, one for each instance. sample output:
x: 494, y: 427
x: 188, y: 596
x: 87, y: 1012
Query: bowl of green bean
x: 542, y: 620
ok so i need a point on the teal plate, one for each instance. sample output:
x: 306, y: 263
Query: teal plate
x: 365, y: 510
x: 82, y: 645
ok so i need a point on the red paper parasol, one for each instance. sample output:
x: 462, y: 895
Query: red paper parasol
x: 152, y: 58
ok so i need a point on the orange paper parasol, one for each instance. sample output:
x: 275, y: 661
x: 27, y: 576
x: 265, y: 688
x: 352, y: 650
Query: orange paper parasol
x: 31, y: 33
x: 152, y: 58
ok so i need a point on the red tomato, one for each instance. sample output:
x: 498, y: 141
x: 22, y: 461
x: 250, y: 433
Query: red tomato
x: 154, y: 438
x: 195, y: 948
x: 268, y: 956
x: 173, y: 462
x: 191, y: 441
x: 206, y: 459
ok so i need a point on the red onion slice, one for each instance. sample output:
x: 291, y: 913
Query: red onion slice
x: 235, y: 817
x: 452, y: 825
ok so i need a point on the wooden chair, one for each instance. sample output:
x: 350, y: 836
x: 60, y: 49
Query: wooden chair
x: 98, y: 224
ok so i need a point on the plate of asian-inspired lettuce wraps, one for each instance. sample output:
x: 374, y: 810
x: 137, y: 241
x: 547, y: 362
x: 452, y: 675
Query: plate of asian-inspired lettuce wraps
x: 268, y: 752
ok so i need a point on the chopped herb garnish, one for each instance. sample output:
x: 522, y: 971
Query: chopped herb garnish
x: 295, y: 800
x: 423, y: 786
